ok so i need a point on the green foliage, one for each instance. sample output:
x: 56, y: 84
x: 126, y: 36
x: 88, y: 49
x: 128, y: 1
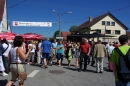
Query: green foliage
x: 72, y: 28
x: 56, y: 33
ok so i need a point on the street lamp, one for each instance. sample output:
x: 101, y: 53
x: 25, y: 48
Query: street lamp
x: 59, y: 14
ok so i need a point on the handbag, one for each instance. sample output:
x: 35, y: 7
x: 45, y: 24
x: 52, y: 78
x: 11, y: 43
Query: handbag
x: 21, y: 75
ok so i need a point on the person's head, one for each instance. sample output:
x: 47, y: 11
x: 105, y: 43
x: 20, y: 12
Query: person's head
x: 69, y: 42
x: 54, y: 40
x: 18, y: 41
x: 32, y: 42
x: 4, y: 41
x: 78, y: 44
x: 116, y: 42
x: 59, y: 42
x: 123, y: 39
x: 85, y: 40
x: 39, y: 41
x: 92, y: 42
x: 47, y: 39
x: 99, y: 41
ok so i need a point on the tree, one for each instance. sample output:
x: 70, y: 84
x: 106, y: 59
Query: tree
x: 56, y: 33
x: 72, y: 28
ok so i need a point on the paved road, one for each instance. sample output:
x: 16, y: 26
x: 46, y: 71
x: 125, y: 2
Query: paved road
x: 71, y: 77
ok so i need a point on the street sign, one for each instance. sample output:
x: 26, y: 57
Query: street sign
x: 36, y: 24
x: 59, y: 37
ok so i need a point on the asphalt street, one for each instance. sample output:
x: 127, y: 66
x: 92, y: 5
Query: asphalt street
x: 64, y: 76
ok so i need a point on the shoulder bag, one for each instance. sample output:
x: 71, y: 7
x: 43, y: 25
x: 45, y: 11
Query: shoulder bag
x: 5, y: 49
x: 21, y: 75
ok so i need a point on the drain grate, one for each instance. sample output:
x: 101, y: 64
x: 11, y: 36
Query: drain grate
x: 56, y: 71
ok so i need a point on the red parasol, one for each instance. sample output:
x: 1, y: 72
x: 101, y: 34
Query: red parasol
x: 32, y: 36
x: 7, y: 35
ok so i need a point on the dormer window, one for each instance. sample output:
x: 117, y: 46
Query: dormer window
x: 103, y: 22
x: 112, y: 23
x: 108, y: 23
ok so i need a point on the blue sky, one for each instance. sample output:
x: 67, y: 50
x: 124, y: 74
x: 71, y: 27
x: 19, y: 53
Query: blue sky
x: 41, y: 11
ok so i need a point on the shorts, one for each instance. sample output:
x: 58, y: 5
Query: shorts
x: 59, y: 56
x: 45, y: 55
x: 54, y: 51
x: 13, y: 70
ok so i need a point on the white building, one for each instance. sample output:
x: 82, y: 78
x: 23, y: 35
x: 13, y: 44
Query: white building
x: 4, y: 24
x: 106, y: 24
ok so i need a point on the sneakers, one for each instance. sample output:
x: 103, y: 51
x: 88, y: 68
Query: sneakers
x: 4, y: 74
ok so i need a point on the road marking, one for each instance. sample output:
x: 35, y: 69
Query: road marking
x: 33, y: 73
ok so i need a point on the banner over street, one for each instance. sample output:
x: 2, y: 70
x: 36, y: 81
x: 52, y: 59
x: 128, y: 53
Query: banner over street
x: 35, y: 24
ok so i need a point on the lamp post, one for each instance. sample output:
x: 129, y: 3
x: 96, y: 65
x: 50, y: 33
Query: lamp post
x: 59, y: 15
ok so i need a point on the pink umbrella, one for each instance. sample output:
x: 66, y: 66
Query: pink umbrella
x: 7, y: 35
x: 32, y: 36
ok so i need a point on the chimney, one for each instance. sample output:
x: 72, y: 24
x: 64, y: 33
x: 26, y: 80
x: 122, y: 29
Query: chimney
x: 90, y: 18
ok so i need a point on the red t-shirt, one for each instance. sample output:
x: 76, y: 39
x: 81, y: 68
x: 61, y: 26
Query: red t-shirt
x: 84, y: 48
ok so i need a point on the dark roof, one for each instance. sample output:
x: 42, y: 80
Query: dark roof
x: 90, y: 35
x: 88, y: 24
x: 2, y: 2
x: 128, y: 33
x: 64, y: 34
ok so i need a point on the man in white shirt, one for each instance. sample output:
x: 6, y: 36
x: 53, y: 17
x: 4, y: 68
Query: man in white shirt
x: 7, y: 47
x: 32, y: 53
x: 54, y: 46
x: 39, y: 54
x: 110, y: 49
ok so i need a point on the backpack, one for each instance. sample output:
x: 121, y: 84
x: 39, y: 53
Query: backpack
x: 123, y: 69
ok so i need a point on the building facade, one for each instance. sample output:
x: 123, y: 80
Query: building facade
x: 4, y: 24
x: 106, y: 24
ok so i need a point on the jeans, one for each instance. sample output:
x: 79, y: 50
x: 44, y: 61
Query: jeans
x: 85, y: 57
x: 5, y: 62
x: 120, y: 83
x: 93, y: 61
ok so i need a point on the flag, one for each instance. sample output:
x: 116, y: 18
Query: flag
x: 105, y: 30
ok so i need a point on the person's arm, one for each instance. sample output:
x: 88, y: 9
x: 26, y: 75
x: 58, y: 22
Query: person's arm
x: 95, y: 51
x: 22, y: 54
x: 114, y: 69
x: 41, y: 47
x: 113, y: 60
x: 9, y: 59
x: 79, y: 50
x: 105, y: 51
x: 89, y: 50
x: 24, y: 49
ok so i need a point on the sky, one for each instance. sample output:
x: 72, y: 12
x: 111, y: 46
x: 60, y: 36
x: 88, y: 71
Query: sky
x: 41, y: 11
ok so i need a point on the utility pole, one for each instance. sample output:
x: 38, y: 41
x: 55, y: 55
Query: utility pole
x: 7, y: 12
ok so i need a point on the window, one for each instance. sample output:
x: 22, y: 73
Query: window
x: 103, y: 22
x: 98, y: 31
x: 108, y: 32
x: 108, y: 23
x: 112, y: 23
x: 117, y: 32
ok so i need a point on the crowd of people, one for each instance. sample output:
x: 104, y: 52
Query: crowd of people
x: 44, y: 52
